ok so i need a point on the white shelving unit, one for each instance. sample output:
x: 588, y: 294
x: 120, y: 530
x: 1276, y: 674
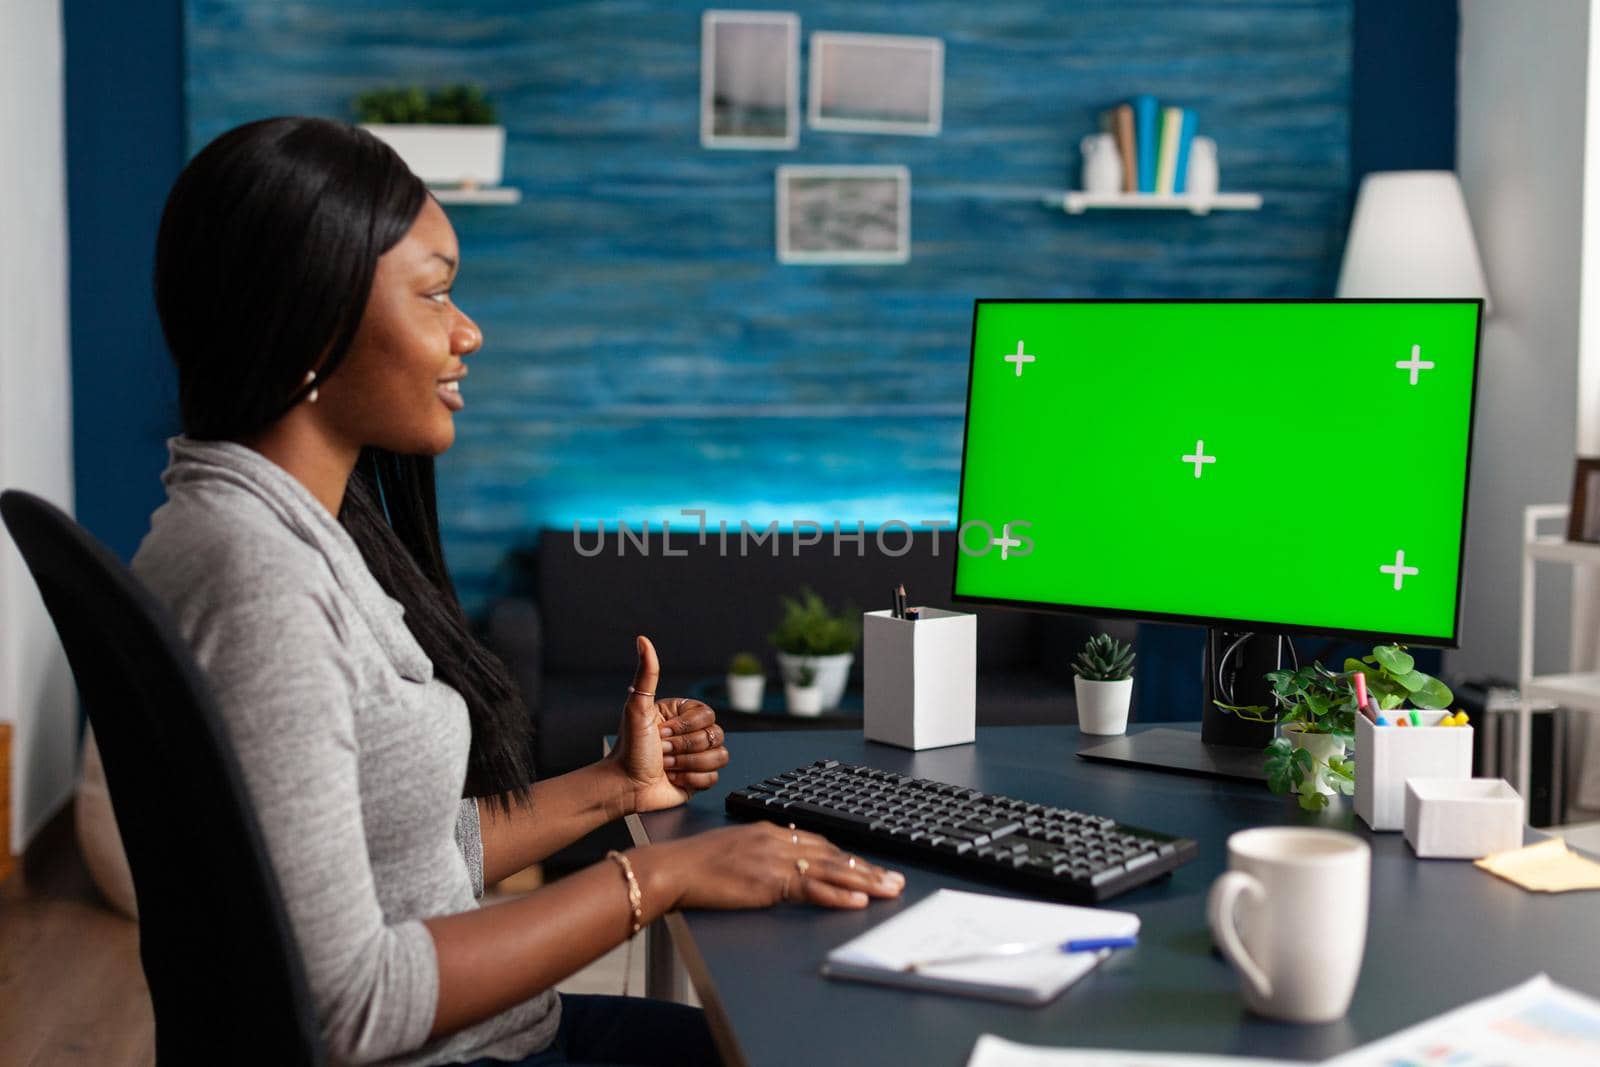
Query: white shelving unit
x: 1074, y: 203
x: 484, y: 194
x: 1580, y: 690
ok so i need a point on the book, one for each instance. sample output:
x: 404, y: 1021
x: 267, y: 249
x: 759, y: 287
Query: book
x: 953, y: 923
x: 1145, y: 122
x: 1180, y: 177
x: 1167, y: 150
x: 1127, y: 146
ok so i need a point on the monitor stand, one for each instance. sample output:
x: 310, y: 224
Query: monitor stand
x: 1236, y: 664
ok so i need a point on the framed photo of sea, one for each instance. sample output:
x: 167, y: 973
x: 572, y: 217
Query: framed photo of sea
x: 876, y: 83
x: 854, y: 214
x: 749, y: 79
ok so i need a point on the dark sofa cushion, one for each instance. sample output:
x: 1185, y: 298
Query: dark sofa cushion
x: 702, y: 607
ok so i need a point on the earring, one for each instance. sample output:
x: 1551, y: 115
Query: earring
x: 311, y: 376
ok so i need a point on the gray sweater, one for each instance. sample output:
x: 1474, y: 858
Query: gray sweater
x: 354, y: 755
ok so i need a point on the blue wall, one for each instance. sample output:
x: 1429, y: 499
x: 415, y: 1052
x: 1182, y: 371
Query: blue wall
x: 124, y: 138
x: 644, y: 350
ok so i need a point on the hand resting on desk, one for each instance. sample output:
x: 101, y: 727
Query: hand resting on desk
x: 672, y: 747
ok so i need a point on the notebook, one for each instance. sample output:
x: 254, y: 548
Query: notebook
x: 953, y: 923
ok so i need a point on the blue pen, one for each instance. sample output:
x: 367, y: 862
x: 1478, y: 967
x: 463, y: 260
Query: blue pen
x: 1022, y: 948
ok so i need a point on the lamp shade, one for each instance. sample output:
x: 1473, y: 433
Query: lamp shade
x: 1411, y: 237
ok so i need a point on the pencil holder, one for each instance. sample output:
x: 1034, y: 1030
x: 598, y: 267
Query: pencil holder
x: 1387, y: 755
x: 921, y: 678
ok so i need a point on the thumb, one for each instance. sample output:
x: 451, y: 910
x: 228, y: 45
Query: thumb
x: 645, y: 677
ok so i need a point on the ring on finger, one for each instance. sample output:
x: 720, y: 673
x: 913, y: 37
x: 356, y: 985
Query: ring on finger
x: 794, y: 837
x: 802, y: 865
x: 851, y: 863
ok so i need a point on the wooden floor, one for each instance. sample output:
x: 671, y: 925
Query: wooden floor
x: 71, y: 990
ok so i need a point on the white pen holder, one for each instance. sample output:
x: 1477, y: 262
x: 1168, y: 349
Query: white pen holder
x: 921, y: 678
x: 1387, y: 755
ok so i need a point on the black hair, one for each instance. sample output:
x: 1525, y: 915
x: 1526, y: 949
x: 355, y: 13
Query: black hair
x: 264, y: 262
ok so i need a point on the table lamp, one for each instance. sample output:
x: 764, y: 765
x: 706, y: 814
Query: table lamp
x: 1411, y: 237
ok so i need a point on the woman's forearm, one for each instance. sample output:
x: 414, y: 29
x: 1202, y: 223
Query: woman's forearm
x: 563, y: 809
x: 498, y: 956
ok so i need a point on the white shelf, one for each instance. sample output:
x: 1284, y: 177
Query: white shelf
x: 485, y: 194
x: 1549, y: 549
x: 1077, y: 203
x: 1567, y: 690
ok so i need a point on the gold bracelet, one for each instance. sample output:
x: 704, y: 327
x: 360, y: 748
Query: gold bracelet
x: 635, y: 898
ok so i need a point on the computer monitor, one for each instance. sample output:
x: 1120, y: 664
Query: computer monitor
x: 1282, y: 466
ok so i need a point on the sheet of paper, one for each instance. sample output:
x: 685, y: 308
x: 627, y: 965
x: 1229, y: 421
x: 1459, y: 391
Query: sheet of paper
x: 991, y: 1051
x: 1535, y: 1024
x: 1548, y: 867
x: 953, y: 923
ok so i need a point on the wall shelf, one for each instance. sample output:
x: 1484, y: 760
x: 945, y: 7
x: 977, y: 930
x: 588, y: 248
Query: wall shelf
x: 1074, y: 203
x: 480, y: 194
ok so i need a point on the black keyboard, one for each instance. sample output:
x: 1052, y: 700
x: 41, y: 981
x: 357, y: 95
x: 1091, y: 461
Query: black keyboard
x: 1051, y: 852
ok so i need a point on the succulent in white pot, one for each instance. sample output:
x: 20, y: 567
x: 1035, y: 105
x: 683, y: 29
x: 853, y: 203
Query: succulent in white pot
x: 1104, y: 685
x: 811, y: 635
x: 747, y: 682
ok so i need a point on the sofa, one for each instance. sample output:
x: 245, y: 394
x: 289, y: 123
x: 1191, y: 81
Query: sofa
x: 567, y: 628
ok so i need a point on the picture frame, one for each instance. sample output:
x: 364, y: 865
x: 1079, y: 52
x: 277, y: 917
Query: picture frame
x: 876, y: 83
x: 749, y: 80
x: 1583, y: 517
x: 843, y: 214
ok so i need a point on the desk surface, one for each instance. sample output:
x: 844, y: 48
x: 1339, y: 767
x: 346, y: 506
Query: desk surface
x: 1441, y: 932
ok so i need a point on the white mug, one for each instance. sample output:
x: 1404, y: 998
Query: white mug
x: 1290, y: 914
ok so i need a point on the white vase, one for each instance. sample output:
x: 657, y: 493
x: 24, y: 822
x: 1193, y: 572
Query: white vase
x: 832, y: 673
x: 447, y: 155
x: 1321, y: 747
x: 1201, y: 178
x: 745, y: 691
x: 1103, y: 706
x: 804, y: 700
x: 1102, y: 164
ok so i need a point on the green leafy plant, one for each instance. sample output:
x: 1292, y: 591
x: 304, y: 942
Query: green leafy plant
x: 745, y: 663
x: 450, y: 105
x: 1315, y: 700
x: 808, y: 628
x: 1104, y: 659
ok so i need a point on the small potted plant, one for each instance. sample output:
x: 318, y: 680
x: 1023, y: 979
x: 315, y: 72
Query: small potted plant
x: 811, y: 635
x: 747, y: 682
x: 447, y: 137
x: 1104, y: 685
x: 1315, y: 714
x: 801, y: 690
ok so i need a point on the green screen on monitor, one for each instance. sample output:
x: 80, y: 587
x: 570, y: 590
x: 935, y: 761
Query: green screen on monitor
x: 1295, y: 465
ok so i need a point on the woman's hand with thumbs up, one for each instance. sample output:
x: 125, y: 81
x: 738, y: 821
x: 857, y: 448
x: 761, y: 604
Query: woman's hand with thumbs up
x: 670, y: 748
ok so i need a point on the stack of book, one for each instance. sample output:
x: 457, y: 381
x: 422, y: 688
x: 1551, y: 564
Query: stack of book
x: 1154, y: 144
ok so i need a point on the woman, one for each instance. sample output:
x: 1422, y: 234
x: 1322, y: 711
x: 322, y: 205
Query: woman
x: 303, y: 279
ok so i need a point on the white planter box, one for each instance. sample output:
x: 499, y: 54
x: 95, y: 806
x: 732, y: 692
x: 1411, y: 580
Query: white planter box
x: 1103, y: 706
x: 448, y: 155
x: 832, y: 673
x: 1387, y: 755
x: 921, y: 678
x: 1462, y: 818
x: 805, y: 701
x: 745, y: 691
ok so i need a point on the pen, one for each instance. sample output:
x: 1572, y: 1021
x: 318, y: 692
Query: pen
x: 1363, y: 698
x: 900, y: 601
x: 1022, y: 948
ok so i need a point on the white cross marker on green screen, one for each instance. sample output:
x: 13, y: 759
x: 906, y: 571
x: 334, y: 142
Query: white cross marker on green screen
x: 1019, y: 357
x: 1414, y: 364
x: 1199, y: 457
x: 1399, y: 569
x: 1005, y: 541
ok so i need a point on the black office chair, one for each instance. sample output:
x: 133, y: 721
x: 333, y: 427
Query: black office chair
x: 224, y: 971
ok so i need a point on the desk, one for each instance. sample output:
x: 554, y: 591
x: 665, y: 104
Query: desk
x: 1441, y: 932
